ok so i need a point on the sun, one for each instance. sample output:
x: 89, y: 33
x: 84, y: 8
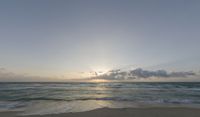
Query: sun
x: 100, y: 70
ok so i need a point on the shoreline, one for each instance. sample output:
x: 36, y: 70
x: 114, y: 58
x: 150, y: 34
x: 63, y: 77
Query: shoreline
x: 121, y: 112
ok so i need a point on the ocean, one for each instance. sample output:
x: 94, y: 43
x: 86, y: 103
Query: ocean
x: 53, y: 98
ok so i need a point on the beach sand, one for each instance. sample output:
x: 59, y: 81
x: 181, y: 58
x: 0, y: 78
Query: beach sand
x: 126, y: 112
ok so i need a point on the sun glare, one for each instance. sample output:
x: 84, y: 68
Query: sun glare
x: 99, y: 80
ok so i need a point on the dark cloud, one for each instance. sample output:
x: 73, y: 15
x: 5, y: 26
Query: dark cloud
x: 140, y: 73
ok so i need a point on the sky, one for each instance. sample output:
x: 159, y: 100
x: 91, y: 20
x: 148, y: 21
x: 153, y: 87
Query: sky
x: 74, y: 38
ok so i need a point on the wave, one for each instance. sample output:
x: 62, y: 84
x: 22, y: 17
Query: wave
x: 120, y: 99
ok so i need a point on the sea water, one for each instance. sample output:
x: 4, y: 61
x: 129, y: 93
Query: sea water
x: 52, y: 98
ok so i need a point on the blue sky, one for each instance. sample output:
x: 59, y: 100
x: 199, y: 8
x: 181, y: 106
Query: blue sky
x: 62, y: 37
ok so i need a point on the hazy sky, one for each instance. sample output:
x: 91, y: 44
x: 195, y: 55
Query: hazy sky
x: 63, y: 37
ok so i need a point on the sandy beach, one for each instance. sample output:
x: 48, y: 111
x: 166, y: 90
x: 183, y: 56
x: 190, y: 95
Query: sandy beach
x: 126, y: 112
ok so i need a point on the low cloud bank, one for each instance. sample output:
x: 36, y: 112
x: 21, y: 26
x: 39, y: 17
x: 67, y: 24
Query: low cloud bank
x: 145, y: 74
x: 8, y: 76
x: 118, y: 74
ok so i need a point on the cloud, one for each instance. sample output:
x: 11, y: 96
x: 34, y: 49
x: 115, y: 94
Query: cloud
x: 140, y: 73
x: 8, y: 76
x: 159, y: 73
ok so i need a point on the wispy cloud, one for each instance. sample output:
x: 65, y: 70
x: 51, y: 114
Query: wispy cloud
x: 145, y: 74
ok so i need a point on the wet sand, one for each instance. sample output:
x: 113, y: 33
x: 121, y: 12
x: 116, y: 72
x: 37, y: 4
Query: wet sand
x: 126, y: 112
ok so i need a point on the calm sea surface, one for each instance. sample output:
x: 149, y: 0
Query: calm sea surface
x: 47, y: 98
